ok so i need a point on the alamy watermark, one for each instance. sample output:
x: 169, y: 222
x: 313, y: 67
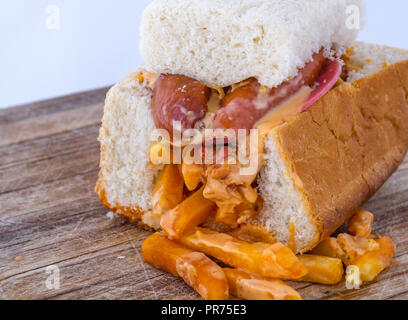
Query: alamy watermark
x: 53, y: 280
x: 353, y: 20
x: 209, y: 146
x: 53, y: 17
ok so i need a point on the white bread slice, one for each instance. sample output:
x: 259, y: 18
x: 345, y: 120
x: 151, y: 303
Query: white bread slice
x: 222, y: 42
x: 126, y: 178
x: 316, y: 205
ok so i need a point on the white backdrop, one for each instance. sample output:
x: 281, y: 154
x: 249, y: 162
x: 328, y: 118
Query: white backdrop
x: 94, y: 43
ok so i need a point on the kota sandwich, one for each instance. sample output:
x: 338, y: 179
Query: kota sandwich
x: 325, y: 122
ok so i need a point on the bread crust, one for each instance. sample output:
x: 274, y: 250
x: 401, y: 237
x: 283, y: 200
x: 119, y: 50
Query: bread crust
x: 344, y: 148
x: 133, y: 214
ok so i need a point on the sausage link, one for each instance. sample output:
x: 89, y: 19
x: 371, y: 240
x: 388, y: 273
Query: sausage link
x: 243, y: 107
x: 179, y: 98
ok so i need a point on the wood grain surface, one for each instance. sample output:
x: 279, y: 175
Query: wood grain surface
x: 50, y: 216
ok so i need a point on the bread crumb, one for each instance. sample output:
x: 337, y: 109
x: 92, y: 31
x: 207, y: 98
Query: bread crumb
x: 19, y: 258
x: 368, y: 60
x: 384, y: 64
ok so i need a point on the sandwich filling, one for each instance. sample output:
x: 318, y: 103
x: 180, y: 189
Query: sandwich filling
x: 181, y: 104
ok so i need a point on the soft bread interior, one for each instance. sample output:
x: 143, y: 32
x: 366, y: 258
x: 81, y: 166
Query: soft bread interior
x: 222, y: 42
x: 282, y: 201
x: 126, y: 177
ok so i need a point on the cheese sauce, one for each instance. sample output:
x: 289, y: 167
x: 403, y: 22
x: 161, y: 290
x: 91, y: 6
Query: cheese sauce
x: 284, y: 112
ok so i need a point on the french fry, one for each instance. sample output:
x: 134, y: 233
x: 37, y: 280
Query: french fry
x: 328, y: 248
x: 188, y: 214
x: 168, y: 191
x: 361, y: 224
x: 353, y: 247
x: 346, y: 247
x: 268, y: 260
x: 324, y: 270
x: 192, y: 174
x: 369, y: 256
x: 374, y: 262
x: 197, y: 270
x: 252, y: 233
x: 364, y: 256
x: 251, y: 287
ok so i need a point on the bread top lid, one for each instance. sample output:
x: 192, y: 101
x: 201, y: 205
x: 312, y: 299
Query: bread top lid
x: 222, y: 42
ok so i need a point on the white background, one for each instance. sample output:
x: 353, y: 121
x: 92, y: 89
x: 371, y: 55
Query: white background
x: 97, y: 43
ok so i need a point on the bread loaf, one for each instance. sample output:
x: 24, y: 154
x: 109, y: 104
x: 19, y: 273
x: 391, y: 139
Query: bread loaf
x: 320, y: 167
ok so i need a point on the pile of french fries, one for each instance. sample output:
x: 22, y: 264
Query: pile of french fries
x: 257, y: 270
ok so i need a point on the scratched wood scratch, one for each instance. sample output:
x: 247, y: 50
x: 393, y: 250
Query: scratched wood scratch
x: 50, y: 216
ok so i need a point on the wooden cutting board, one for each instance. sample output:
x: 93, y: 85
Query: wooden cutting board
x: 50, y: 216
